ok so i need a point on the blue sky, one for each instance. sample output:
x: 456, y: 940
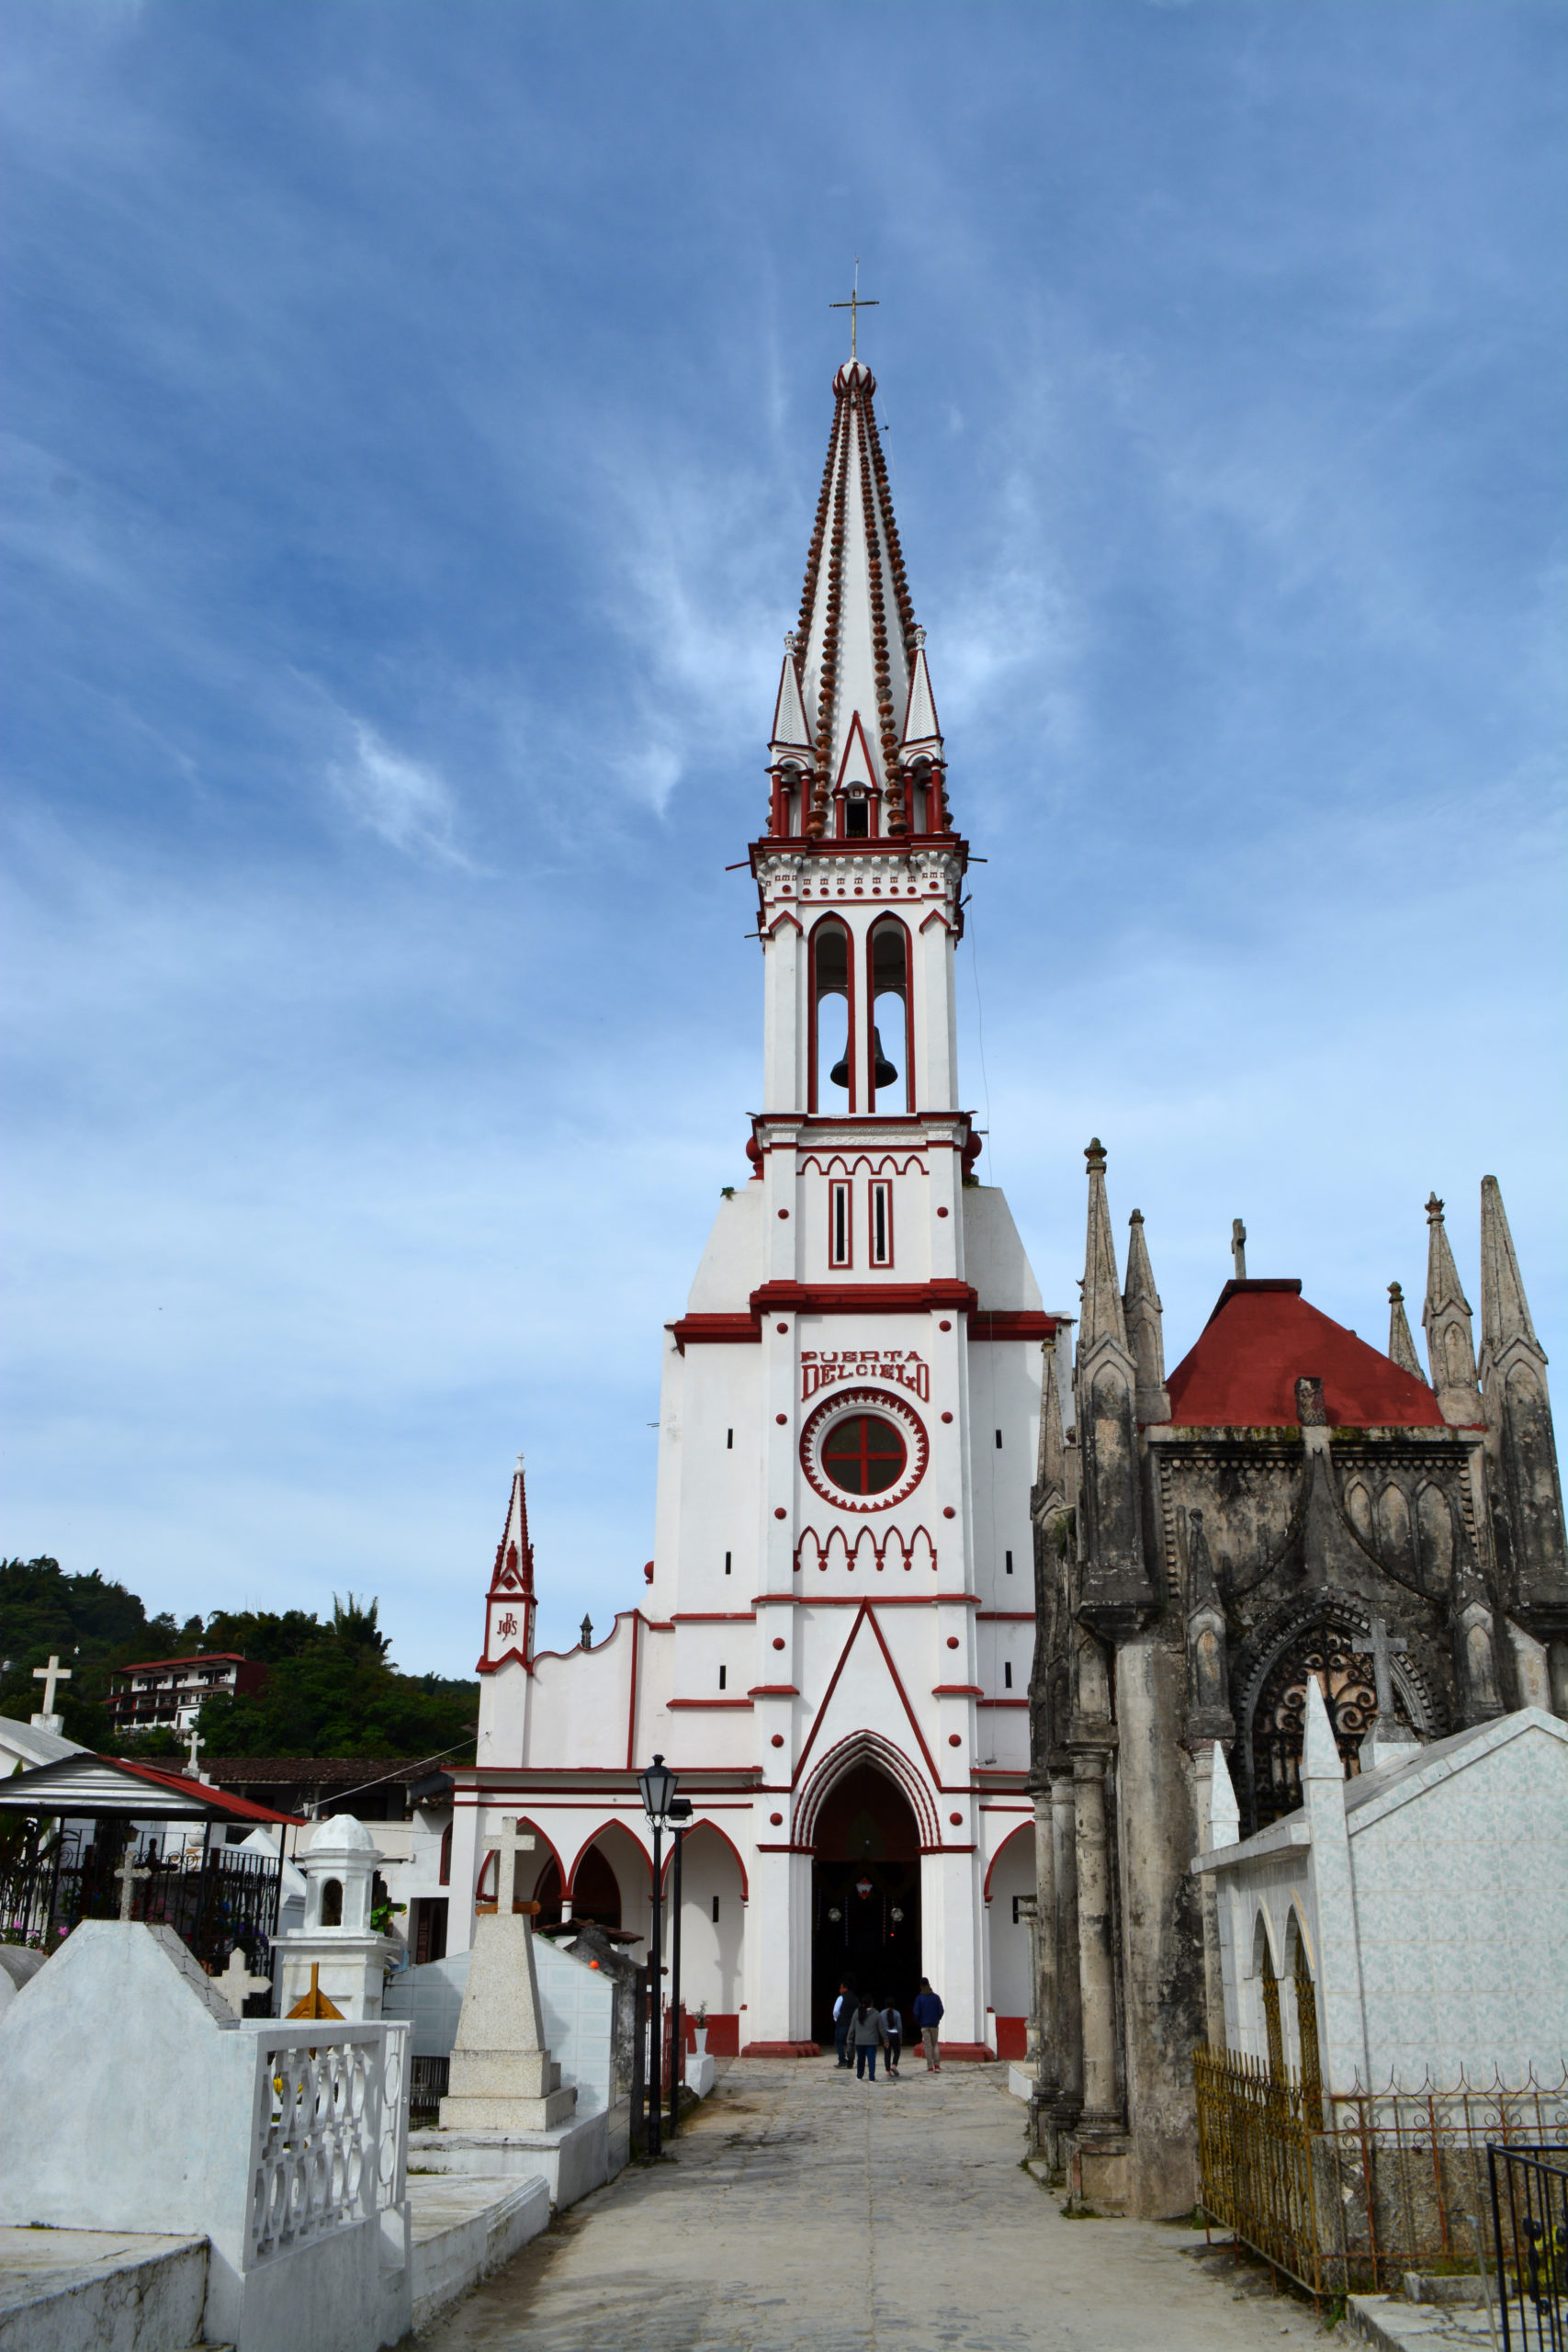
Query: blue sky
x: 412, y: 429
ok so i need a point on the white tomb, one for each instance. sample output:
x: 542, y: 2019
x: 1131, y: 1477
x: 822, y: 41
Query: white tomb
x: 337, y: 1940
x: 133, y: 2098
x: 1426, y: 1901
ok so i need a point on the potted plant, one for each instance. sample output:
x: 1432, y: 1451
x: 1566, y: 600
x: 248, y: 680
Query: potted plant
x: 700, y: 2030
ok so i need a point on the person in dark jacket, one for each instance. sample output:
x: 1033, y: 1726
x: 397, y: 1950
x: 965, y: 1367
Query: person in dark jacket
x: 843, y: 2016
x: 866, y: 2037
x: 893, y: 2027
x: 926, y: 2013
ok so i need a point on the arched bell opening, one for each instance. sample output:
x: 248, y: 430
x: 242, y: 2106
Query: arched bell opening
x: 865, y: 1897
x: 331, y: 1903
x: 832, y: 1016
x: 892, y: 1018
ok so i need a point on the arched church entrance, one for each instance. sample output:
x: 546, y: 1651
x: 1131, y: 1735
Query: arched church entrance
x: 866, y: 1897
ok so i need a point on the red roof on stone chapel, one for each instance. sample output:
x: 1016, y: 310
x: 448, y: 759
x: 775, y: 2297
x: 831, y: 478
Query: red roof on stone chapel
x: 1260, y: 1340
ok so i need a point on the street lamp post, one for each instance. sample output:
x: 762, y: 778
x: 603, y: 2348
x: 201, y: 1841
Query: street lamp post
x: 680, y: 1821
x: 658, y: 1789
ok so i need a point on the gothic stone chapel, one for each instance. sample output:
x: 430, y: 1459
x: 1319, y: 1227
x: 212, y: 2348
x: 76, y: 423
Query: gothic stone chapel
x: 1288, y: 1506
x: 922, y: 1654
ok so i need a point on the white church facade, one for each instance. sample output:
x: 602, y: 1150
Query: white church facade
x: 832, y: 1647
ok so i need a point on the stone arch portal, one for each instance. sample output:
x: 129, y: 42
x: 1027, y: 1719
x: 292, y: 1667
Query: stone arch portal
x: 866, y: 1894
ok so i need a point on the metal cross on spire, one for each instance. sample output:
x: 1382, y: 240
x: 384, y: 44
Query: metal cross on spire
x: 854, y: 306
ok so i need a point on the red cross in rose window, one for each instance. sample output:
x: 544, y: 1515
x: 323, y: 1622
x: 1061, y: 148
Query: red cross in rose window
x: 864, y: 1454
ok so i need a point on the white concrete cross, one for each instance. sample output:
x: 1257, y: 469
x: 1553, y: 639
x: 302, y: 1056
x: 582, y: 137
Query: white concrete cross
x: 197, y: 1744
x: 128, y: 1873
x: 506, y: 1849
x: 48, y: 1676
x: 236, y: 1983
x: 1386, y: 1645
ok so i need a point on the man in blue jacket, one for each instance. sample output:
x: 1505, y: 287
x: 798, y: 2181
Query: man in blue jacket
x: 927, y: 2014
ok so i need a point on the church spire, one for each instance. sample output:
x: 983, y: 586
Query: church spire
x: 1504, y: 1311
x: 1401, y: 1346
x: 1522, y: 1449
x: 1146, y: 1329
x: 1450, y: 1343
x: 857, y: 659
x: 510, y: 1606
x: 1102, y: 1313
x: 1117, y: 1596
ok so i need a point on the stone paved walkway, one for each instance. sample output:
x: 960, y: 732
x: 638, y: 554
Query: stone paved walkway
x: 804, y: 2207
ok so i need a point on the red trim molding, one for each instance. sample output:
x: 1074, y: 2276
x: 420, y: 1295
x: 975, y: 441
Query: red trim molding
x: 1010, y: 1323
x: 860, y: 1298
x: 715, y: 1330
x: 688, y: 1704
x: 864, y: 1298
x: 773, y: 1690
x: 958, y: 1691
x: 786, y: 2050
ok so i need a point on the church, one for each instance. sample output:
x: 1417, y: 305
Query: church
x: 949, y: 1614
x: 833, y: 1644
x: 1290, y: 1506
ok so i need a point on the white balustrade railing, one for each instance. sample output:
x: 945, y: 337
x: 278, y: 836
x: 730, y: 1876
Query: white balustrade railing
x: 329, y: 2140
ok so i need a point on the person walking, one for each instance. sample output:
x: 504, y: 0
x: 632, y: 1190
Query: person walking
x: 927, y: 2014
x: 893, y: 2027
x: 867, y: 2035
x: 843, y: 2016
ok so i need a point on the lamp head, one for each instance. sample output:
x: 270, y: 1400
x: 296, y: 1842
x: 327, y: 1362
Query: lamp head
x: 657, y: 1788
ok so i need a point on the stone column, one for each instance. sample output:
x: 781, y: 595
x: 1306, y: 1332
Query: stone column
x: 1067, y: 2056
x: 1101, y: 2106
x: 1045, y: 2052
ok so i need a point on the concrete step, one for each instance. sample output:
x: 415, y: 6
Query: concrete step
x: 100, y: 2290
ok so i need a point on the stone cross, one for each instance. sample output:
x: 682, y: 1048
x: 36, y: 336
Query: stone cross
x: 236, y: 1983
x: 127, y: 1875
x: 506, y: 1849
x: 1385, y: 1646
x: 48, y: 1676
x: 197, y: 1744
x: 1238, y: 1248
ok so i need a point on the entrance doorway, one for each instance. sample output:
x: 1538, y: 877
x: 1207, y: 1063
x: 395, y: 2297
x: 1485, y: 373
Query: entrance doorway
x: 866, y: 1897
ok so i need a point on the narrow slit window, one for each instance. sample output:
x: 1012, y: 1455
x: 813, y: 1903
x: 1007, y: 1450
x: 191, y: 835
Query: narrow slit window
x: 840, y: 1224
x: 715, y: 1910
x: 1015, y: 1917
x: 999, y: 1441
x: 881, y: 1221
x: 729, y: 1556
x: 1006, y: 1675
x: 729, y: 1441
x: 1008, y: 1558
x: 722, y: 1671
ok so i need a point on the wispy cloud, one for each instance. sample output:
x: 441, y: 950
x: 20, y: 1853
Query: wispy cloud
x: 406, y: 803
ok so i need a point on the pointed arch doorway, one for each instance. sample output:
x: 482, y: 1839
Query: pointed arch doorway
x: 865, y: 1897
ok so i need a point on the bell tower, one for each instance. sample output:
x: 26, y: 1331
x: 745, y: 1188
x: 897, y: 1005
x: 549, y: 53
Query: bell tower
x: 859, y: 873
x: 834, y: 1634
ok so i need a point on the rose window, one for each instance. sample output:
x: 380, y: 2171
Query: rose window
x: 863, y: 1449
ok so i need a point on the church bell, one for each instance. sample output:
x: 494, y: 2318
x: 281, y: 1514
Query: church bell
x: 885, y: 1073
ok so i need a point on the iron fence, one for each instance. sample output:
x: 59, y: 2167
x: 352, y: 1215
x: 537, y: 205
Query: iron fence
x: 1344, y: 2191
x: 1530, y: 2224
x: 428, y: 2081
x: 217, y: 1899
